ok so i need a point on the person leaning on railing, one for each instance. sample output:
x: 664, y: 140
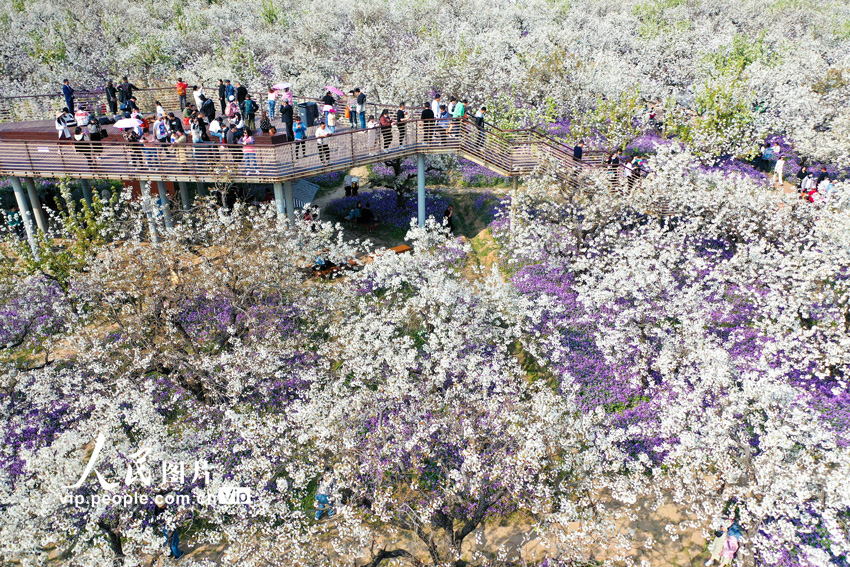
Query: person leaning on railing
x: 428, y: 122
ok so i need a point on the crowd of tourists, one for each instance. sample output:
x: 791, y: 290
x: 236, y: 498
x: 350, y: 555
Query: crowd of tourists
x: 811, y: 184
x: 199, y: 122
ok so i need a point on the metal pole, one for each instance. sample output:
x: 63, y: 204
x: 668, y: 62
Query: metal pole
x: 290, y: 201
x: 163, y: 206
x: 202, y: 191
x: 420, y: 185
x: 24, y: 211
x: 86, y: 190
x: 184, y: 195
x: 278, y: 199
x: 40, y: 217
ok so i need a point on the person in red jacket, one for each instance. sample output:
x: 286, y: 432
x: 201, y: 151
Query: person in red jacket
x: 181, y: 92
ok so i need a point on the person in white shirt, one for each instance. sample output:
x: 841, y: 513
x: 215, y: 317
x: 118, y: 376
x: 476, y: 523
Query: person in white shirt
x: 215, y: 129
x: 777, y: 170
x: 435, y: 105
x: 196, y: 93
x: 160, y: 130
x: 160, y: 111
x: 372, y: 135
x: 322, y: 133
x: 272, y: 100
x: 82, y: 116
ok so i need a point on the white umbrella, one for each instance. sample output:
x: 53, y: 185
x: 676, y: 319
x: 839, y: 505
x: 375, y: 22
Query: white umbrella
x: 127, y: 123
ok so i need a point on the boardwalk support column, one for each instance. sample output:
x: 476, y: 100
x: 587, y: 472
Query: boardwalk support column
x: 278, y: 199
x: 147, y: 206
x: 420, y: 187
x: 184, y: 196
x: 86, y: 190
x: 514, y: 184
x: 163, y: 203
x: 202, y: 191
x: 24, y: 211
x: 37, y: 210
x: 290, y: 201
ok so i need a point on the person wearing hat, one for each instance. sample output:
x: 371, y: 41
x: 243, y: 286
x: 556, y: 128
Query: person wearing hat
x: 232, y: 107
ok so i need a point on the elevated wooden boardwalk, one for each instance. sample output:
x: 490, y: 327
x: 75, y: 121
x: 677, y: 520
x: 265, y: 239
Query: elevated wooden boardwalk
x: 31, y: 149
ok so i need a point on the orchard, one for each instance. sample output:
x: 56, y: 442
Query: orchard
x: 638, y: 358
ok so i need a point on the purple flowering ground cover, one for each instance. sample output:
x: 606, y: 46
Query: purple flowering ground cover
x: 383, y: 203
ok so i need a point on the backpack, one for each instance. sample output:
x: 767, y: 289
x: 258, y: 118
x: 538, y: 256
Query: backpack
x: 249, y: 107
x: 125, y: 105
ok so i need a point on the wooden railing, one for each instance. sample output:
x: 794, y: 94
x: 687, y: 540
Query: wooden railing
x: 507, y: 153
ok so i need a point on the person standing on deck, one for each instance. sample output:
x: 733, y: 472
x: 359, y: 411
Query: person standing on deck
x: 125, y: 90
x: 68, y: 93
x: 361, y: 107
x: 435, y: 105
x: 197, y: 93
x: 400, y: 120
x: 112, y: 97
x: 457, y: 116
x: 250, y: 113
x: 479, y: 123
x: 286, y: 118
x: 241, y: 95
x: 272, y: 100
x: 328, y: 101
x: 428, y: 123
x: 229, y: 91
x: 181, y: 92
x: 222, y: 95
x: 352, y: 109
x: 300, y: 131
x: 322, y: 134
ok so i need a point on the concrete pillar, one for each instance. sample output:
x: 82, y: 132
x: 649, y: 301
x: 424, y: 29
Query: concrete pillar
x: 24, y: 211
x: 278, y: 199
x: 289, y: 199
x: 163, y: 197
x: 184, y: 196
x: 37, y: 210
x: 420, y: 186
x: 148, y: 206
x: 514, y: 190
x: 86, y: 190
x: 202, y: 191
